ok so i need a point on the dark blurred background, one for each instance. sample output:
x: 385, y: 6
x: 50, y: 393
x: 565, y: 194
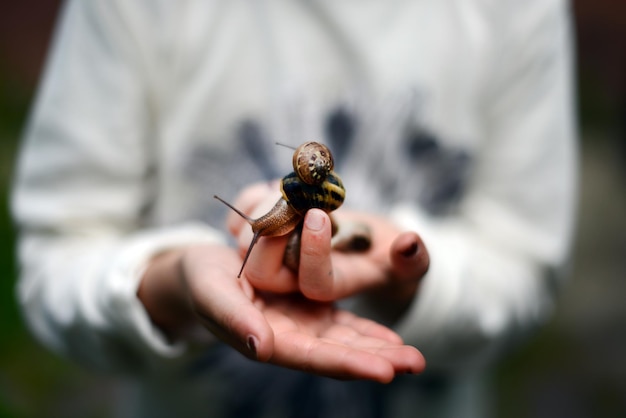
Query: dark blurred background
x: 574, y: 367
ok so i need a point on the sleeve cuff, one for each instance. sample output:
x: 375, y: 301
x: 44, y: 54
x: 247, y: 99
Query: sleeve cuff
x: 118, y: 288
x: 437, y: 297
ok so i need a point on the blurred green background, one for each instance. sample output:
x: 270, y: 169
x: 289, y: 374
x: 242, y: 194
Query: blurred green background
x: 574, y: 367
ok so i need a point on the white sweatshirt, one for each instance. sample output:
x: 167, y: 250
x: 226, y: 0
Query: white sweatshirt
x: 453, y: 117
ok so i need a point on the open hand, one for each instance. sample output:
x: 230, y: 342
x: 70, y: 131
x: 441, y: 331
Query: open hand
x: 200, y: 284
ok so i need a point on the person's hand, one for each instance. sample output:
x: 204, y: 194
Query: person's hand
x: 199, y: 284
x: 390, y: 271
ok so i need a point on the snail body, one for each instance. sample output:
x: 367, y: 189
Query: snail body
x: 312, y: 184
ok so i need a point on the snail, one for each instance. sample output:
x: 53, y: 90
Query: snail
x: 312, y: 184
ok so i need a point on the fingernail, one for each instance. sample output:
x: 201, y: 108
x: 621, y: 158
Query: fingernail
x: 314, y: 220
x: 252, y: 343
x: 411, y: 250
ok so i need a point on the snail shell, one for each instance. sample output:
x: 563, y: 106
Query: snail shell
x: 313, y: 162
x: 328, y: 195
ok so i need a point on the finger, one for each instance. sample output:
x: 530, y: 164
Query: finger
x: 357, y: 332
x: 355, y: 273
x: 367, y: 327
x: 315, y: 274
x: 403, y: 358
x: 265, y: 270
x: 409, y: 257
x: 303, y: 352
x: 405, y: 261
x: 264, y: 267
x: 224, y: 304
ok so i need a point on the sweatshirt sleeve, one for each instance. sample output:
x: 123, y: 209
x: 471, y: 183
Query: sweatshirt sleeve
x: 82, y: 191
x: 497, y: 264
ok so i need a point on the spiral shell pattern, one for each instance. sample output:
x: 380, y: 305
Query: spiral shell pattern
x: 312, y: 162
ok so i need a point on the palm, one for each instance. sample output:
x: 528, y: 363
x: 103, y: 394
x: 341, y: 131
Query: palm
x: 322, y: 339
x: 287, y: 329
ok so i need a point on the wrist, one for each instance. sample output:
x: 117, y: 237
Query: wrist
x: 163, y: 294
